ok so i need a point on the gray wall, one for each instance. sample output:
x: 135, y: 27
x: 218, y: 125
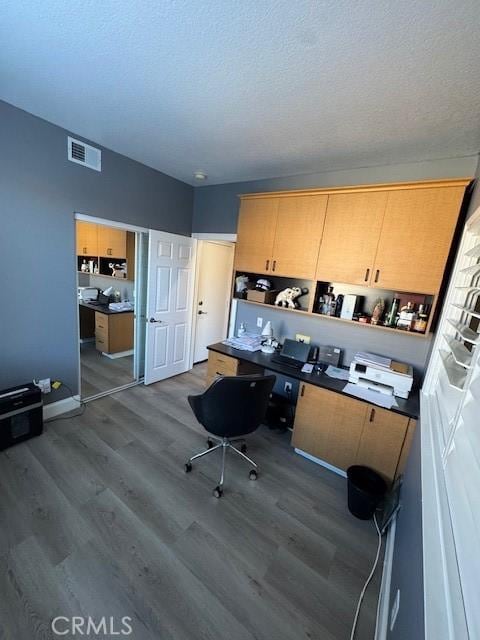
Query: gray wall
x: 216, y: 207
x: 40, y: 191
x: 407, y: 571
x: 350, y: 337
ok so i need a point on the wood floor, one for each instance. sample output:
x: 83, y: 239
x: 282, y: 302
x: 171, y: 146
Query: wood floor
x: 99, y: 519
x: 99, y: 373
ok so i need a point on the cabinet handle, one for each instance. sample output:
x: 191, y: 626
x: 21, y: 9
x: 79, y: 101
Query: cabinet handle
x: 109, y: 252
x: 372, y: 415
x: 377, y: 274
x: 267, y: 264
x: 302, y: 391
x: 367, y: 274
x: 85, y: 250
x: 274, y: 265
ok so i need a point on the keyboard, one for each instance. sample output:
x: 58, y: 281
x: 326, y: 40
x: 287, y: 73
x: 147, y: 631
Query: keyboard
x: 288, y: 362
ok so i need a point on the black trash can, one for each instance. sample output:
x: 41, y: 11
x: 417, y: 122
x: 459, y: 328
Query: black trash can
x: 365, y: 491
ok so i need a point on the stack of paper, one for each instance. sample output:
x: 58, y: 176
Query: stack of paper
x: 372, y: 360
x: 248, y: 342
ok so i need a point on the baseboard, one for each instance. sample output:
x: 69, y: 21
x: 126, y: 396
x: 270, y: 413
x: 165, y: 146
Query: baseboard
x: 61, y: 406
x: 321, y: 462
x: 383, y: 609
x: 119, y: 354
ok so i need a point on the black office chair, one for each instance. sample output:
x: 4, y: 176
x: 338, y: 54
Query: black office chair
x: 231, y: 407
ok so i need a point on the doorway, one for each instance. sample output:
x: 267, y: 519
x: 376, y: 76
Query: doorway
x: 111, y: 263
x: 213, y: 294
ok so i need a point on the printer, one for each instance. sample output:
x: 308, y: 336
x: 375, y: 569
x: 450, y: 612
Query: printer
x: 394, y: 378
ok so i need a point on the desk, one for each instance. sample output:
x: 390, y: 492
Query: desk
x: 409, y: 408
x: 331, y: 427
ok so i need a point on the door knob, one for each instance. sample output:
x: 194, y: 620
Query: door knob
x: 202, y: 313
x: 152, y: 320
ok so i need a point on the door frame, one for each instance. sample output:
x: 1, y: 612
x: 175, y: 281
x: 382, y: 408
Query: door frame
x: 126, y: 227
x: 222, y: 238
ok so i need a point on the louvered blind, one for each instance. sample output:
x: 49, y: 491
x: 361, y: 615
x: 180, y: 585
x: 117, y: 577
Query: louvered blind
x: 453, y: 384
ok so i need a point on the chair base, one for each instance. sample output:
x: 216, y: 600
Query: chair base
x: 224, y: 444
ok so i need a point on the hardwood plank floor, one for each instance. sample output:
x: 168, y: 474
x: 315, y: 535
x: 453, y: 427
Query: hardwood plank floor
x: 99, y: 373
x: 99, y: 519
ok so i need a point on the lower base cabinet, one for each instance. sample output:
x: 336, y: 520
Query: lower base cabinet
x: 113, y: 332
x: 222, y: 365
x: 343, y: 431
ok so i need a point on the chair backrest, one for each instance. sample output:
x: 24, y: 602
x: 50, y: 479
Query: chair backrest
x: 233, y: 405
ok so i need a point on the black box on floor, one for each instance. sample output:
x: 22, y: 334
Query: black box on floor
x: 21, y: 414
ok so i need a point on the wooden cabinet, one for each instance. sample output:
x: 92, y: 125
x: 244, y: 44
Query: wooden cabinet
x: 298, y: 233
x: 328, y: 425
x: 280, y: 236
x: 222, y: 365
x: 255, y: 235
x: 350, y: 237
x: 87, y: 238
x: 113, y: 332
x: 415, y: 240
x: 382, y: 441
x: 343, y: 431
x: 394, y: 237
x: 112, y: 242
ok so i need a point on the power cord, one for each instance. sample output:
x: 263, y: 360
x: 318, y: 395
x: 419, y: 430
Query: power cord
x: 372, y: 572
x: 83, y: 406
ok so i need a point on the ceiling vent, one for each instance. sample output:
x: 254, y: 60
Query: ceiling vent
x: 84, y: 154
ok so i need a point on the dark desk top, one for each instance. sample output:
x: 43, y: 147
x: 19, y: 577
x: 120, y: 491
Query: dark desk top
x: 410, y: 407
x: 102, y: 308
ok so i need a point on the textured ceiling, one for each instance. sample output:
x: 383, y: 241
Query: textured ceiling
x: 250, y: 88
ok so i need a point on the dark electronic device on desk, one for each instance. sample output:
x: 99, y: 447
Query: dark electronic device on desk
x: 327, y: 355
x: 293, y: 354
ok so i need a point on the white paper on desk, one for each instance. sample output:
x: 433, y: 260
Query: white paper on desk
x: 337, y: 372
x: 375, y: 397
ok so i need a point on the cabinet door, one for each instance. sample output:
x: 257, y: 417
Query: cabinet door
x: 297, y: 236
x: 416, y: 235
x: 350, y: 237
x: 87, y: 238
x: 255, y: 235
x: 382, y: 440
x: 328, y: 425
x: 112, y: 242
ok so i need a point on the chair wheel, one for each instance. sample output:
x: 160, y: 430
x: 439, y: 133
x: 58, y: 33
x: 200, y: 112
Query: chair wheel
x: 209, y: 443
x: 243, y: 448
x: 218, y: 492
x: 253, y: 475
x: 188, y: 467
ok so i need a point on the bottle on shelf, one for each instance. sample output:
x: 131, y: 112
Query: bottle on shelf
x: 391, y: 319
x: 421, y: 321
x: 84, y: 267
x: 328, y: 307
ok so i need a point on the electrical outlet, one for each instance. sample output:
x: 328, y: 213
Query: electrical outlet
x: 287, y: 387
x: 299, y: 337
x: 44, y: 385
x: 395, y: 609
x: 260, y: 322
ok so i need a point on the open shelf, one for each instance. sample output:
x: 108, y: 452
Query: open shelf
x: 335, y: 319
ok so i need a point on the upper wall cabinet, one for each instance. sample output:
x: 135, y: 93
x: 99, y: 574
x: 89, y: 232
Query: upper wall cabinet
x: 255, y: 234
x: 415, y: 240
x: 297, y: 235
x: 112, y: 242
x: 350, y: 237
x: 280, y: 236
x: 87, y: 239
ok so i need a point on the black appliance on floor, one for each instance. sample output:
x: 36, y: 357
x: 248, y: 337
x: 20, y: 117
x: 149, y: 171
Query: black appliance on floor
x: 21, y: 414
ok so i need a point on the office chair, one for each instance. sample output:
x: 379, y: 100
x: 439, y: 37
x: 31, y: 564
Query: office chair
x: 231, y: 407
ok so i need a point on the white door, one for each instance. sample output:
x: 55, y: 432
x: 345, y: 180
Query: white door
x: 214, y: 280
x: 169, y: 305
